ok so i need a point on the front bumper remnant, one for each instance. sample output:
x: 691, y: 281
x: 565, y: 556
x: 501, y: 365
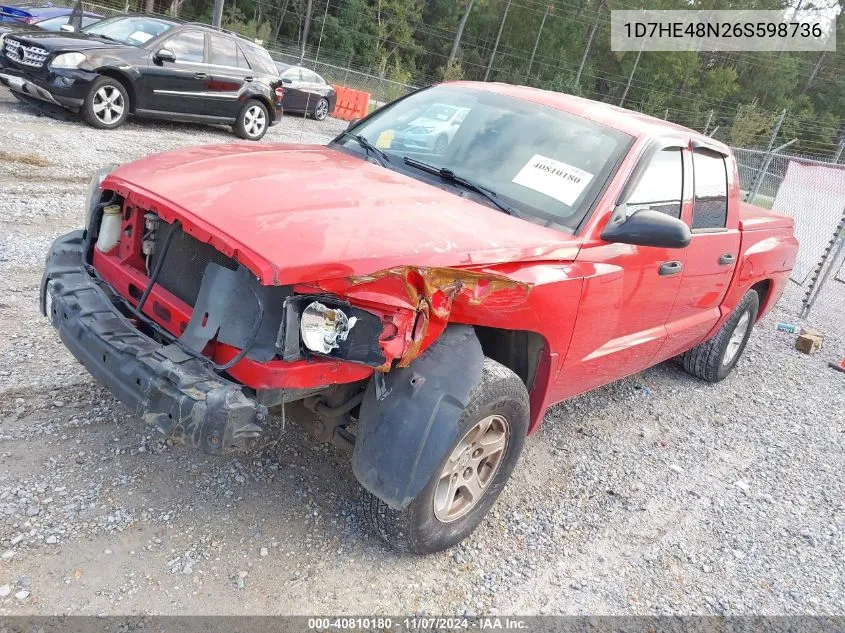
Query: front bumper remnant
x: 178, y: 394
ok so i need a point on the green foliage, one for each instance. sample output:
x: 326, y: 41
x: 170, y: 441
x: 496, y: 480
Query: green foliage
x: 751, y: 125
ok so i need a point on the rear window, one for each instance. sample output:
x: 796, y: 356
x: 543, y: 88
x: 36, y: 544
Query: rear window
x: 711, y: 190
x: 224, y: 52
x: 260, y: 59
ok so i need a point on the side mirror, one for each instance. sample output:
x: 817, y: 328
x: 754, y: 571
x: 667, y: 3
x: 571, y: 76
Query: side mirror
x: 67, y: 28
x: 287, y: 80
x: 165, y: 55
x: 647, y: 228
x: 352, y: 124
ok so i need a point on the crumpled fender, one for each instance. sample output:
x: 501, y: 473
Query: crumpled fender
x: 409, y: 417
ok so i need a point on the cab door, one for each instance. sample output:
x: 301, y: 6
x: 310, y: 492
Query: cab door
x: 712, y: 253
x: 178, y: 86
x: 295, y: 96
x: 621, y: 322
x: 230, y: 72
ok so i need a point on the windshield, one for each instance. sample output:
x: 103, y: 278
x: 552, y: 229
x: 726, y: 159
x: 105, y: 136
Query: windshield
x: 134, y: 30
x: 547, y: 164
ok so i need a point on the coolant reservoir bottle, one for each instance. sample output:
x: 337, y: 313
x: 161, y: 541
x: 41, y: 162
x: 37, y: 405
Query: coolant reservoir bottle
x: 109, y: 228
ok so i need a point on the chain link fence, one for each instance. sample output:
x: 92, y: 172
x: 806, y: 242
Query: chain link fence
x: 812, y: 192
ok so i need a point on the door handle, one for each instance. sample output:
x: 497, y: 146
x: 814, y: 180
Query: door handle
x: 248, y: 78
x: 726, y: 259
x: 669, y: 268
x: 201, y: 75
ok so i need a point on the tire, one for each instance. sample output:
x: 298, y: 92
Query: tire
x: 441, y: 144
x: 106, y: 105
x: 321, y: 110
x: 714, y: 359
x: 253, y: 121
x: 433, y: 522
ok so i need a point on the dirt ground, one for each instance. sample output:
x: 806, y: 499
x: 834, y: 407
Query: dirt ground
x: 659, y: 494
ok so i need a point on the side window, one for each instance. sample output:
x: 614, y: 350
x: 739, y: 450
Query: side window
x: 188, y: 46
x: 661, y: 186
x: 292, y: 74
x: 242, y: 60
x: 224, y: 52
x: 711, y: 190
x: 308, y: 76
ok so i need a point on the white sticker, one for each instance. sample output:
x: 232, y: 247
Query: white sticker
x: 140, y: 36
x: 553, y: 178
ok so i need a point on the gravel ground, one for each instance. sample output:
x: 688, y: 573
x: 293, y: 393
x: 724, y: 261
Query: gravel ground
x: 658, y: 494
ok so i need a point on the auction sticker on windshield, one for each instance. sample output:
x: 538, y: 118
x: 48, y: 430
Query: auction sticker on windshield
x: 553, y: 178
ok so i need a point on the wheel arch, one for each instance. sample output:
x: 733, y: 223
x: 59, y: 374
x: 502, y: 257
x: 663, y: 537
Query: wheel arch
x: 763, y: 289
x: 124, y: 80
x: 265, y: 101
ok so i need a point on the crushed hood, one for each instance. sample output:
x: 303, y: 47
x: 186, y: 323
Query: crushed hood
x: 305, y: 213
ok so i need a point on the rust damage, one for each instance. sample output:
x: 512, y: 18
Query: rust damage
x: 432, y: 292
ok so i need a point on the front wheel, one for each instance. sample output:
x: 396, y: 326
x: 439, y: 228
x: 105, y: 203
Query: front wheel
x: 253, y: 121
x: 106, y: 105
x: 470, y: 478
x: 713, y: 360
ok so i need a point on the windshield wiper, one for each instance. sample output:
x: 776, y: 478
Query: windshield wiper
x: 450, y: 176
x: 381, y: 156
x: 105, y: 37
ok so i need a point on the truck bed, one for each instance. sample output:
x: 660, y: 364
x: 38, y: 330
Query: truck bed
x: 752, y: 218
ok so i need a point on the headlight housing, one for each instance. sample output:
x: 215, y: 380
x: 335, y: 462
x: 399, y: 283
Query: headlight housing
x: 67, y: 60
x: 329, y: 326
x: 92, y: 197
x: 322, y: 327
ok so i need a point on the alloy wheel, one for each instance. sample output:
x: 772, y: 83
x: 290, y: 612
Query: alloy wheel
x: 471, y: 468
x: 736, y: 339
x: 321, y: 110
x: 108, y: 105
x: 254, y: 120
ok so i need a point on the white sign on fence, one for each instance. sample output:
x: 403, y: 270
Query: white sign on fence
x: 814, y: 196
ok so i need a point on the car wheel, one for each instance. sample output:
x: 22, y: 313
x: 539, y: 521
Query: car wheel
x: 321, y: 110
x: 713, y: 360
x: 106, y: 105
x: 465, y: 486
x: 253, y: 121
x: 441, y: 144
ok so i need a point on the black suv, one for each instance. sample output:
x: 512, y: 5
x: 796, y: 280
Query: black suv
x: 149, y: 67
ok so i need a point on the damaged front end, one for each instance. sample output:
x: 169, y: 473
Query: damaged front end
x: 183, y: 328
x: 178, y: 394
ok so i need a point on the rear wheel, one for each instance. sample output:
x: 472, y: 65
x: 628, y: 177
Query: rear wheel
x: 106, y: 105
x: 321, y: 110
x: 253, y: 121
x: 470, y: 478
x: 713, y: 360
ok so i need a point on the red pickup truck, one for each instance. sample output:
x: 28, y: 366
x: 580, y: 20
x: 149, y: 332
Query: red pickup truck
x: 427, y: 299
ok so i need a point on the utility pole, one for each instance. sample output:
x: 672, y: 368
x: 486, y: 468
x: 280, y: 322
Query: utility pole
x: 537, y: 41
x: 217, y: 16
x: 631, y: 76
x: 814, y: 72
x: 458, y: 35
x: 709, y: 119
x: 776, y: 129
x: 593, y: 27
x: 496, y: 43
x: 305, y: 29
x: 839, y: 150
